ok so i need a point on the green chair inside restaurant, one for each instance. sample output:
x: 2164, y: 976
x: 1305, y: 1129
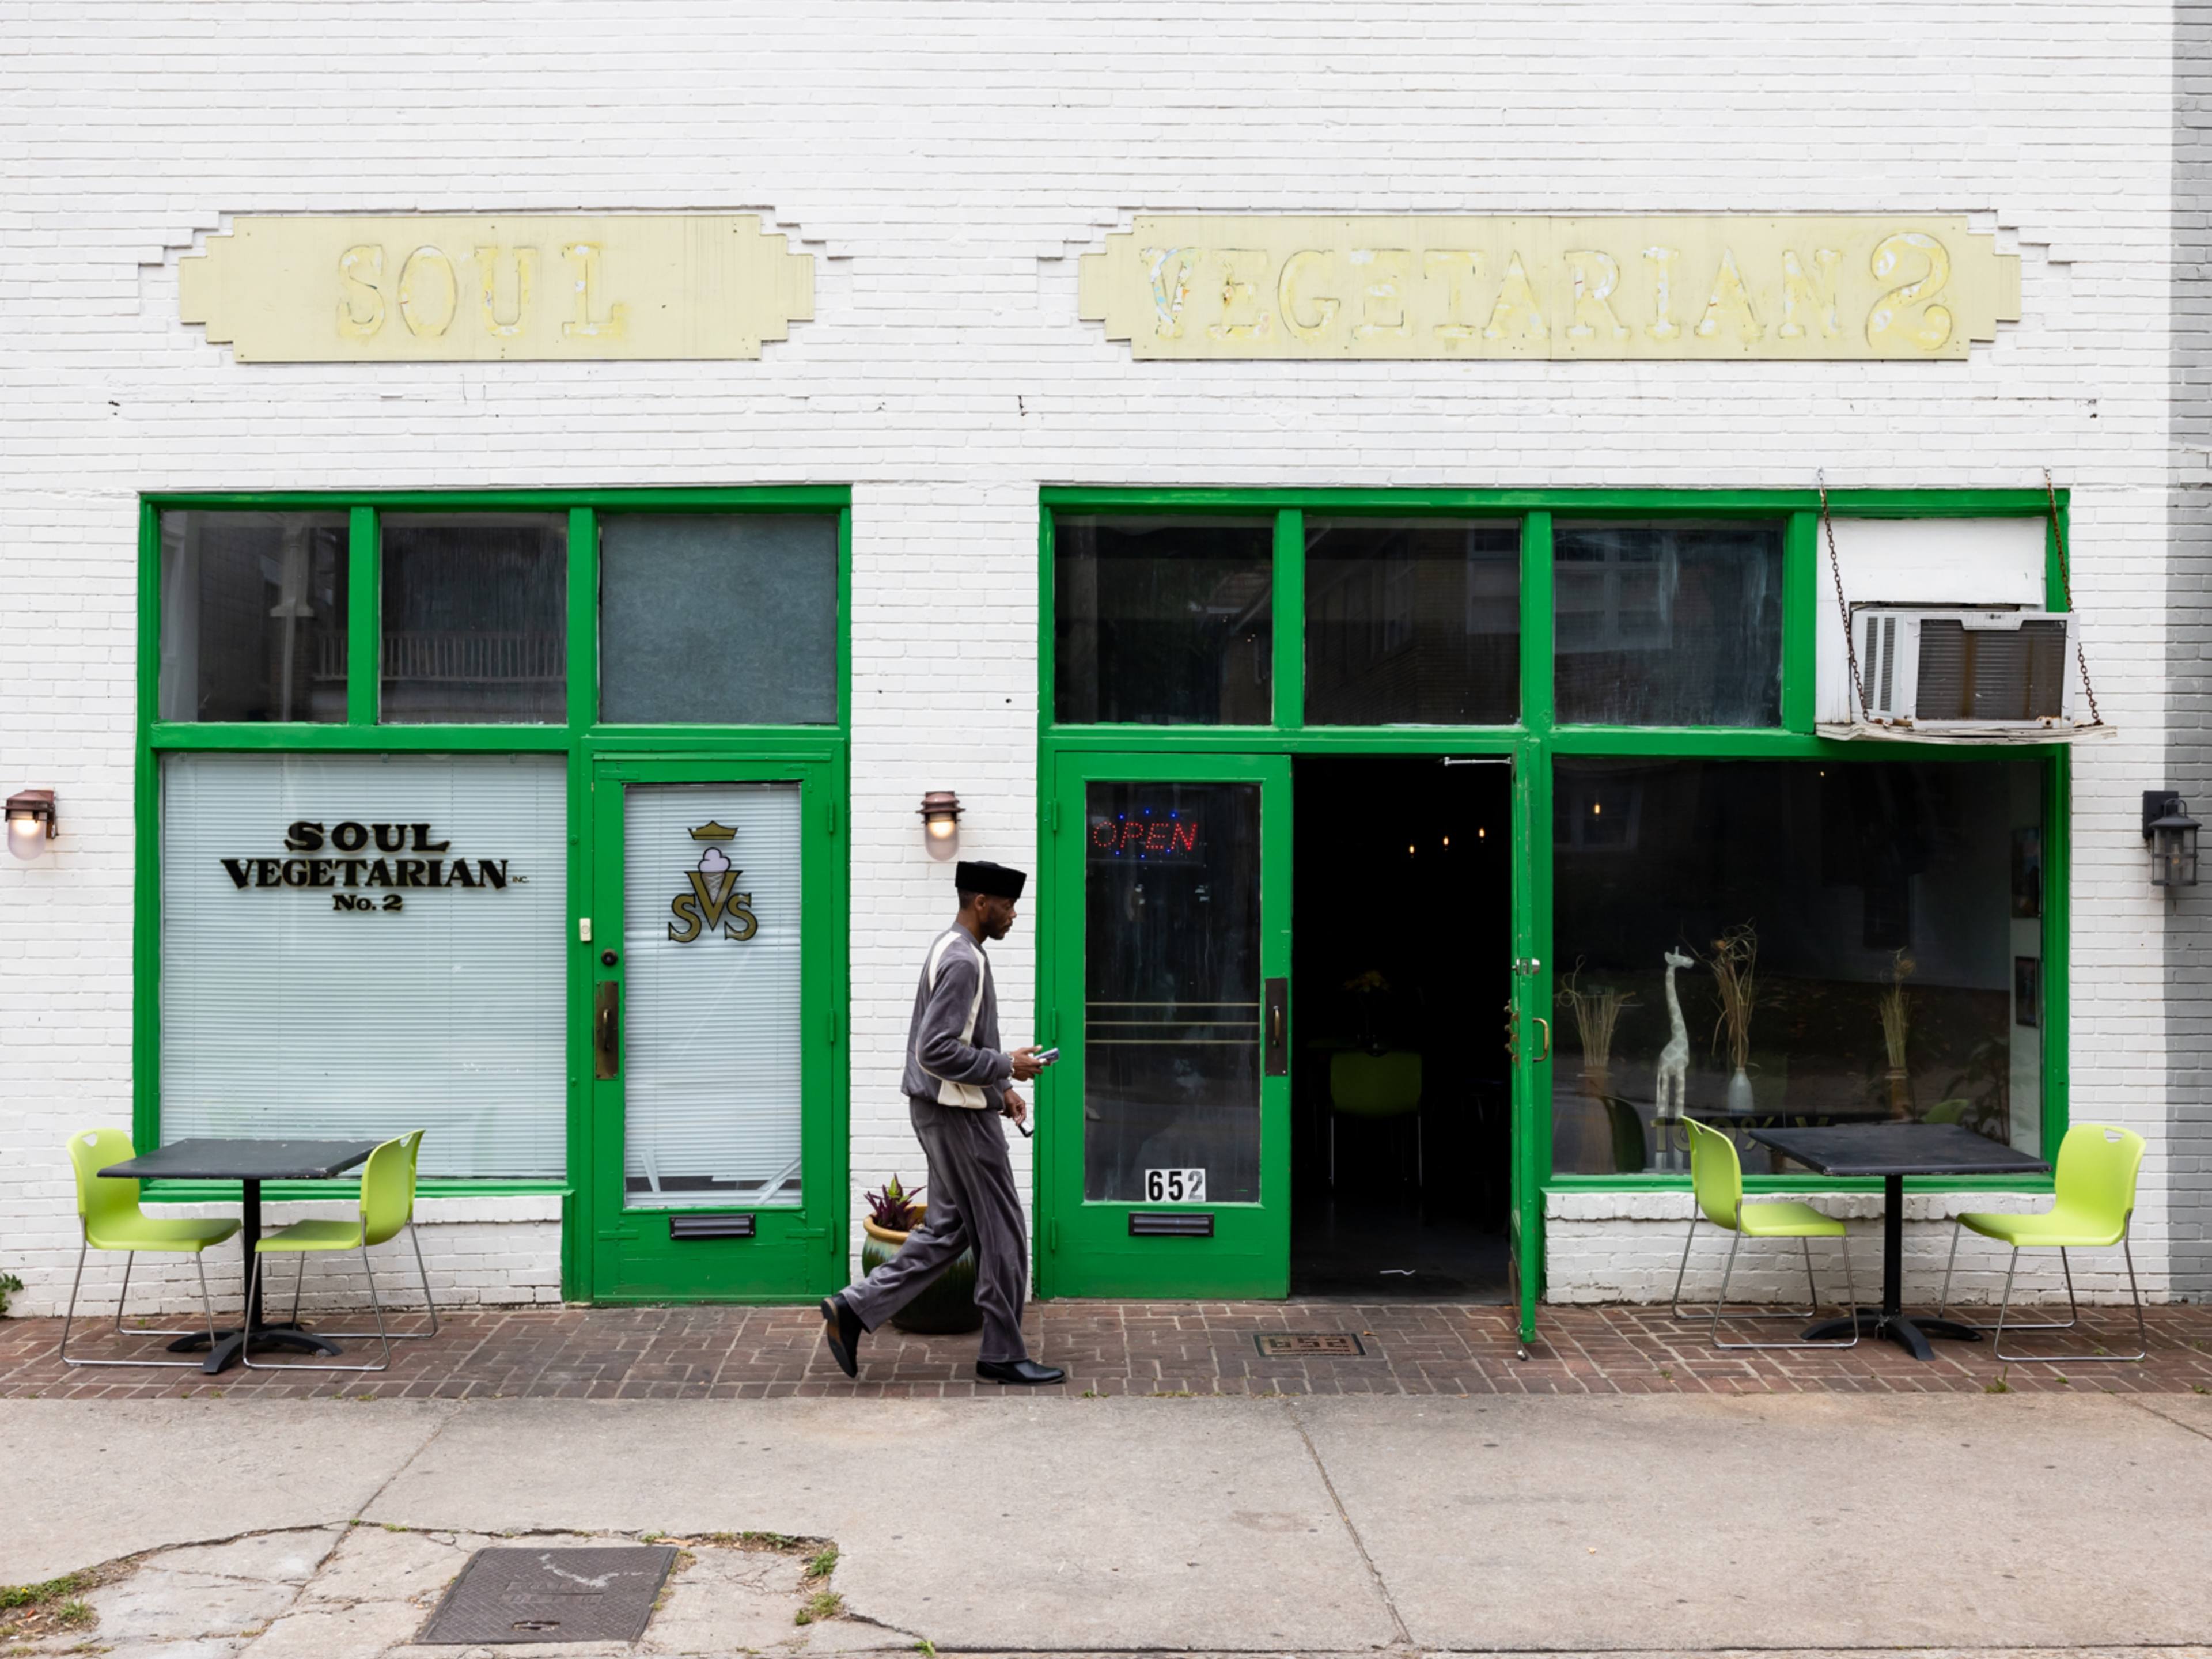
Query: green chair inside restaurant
x: 387, y: 1188
x: 1365, y: 1083
x: 107, y: 1211
x: 2095, y: 1187
x: 1716, y: 1184
x: 413, y: 1142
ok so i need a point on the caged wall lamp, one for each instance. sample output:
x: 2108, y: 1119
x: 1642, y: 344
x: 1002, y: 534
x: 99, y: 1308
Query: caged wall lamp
x: 31, y: 822
x: 2172, y: 834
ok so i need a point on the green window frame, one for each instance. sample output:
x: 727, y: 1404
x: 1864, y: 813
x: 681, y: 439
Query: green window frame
x: 582, y: 738
x: 1537, y: 737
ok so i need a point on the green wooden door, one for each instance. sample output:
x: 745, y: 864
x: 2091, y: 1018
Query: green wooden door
x: 718, y: 948
x: 1529, y: 1026
x: 1164, y: 1130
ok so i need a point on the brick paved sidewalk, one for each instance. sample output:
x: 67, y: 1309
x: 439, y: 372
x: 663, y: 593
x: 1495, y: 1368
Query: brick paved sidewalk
x: 1118, y: 1348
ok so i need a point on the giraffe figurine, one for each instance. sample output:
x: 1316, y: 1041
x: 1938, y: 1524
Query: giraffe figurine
x: 1674, y: 1064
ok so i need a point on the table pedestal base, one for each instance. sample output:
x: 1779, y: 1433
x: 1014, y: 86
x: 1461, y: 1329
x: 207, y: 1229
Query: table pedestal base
x: 229, y: 1345
x: 1908, y: 1334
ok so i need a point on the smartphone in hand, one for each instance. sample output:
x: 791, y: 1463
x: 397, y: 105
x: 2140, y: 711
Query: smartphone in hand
x: 1046, y: 1056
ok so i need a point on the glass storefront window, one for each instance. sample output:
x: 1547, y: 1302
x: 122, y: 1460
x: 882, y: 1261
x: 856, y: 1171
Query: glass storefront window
x: 1171, y: 994
x: 253, y: 616
x: 475, y: 617
x: 357, y: 946
x: 1668, y: 624
x: 712, y: 1065
x: 1413, y: 622
x: 1888, y: 915
x: 720, y: 618
x: 1163, y: 621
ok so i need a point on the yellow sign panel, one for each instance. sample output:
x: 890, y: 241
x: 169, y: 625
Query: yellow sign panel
x: 1903, y: 286
x: 512, y: 287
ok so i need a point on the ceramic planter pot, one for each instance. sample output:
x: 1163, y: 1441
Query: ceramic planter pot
x: 948, y: 1307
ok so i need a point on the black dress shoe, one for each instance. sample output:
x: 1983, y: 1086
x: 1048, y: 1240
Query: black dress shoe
x: 842, y: 1330
x: 1026, y: 1372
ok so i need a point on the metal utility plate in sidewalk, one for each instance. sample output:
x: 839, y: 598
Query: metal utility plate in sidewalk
x: 1309, y: 1345
x: 552, y: 1595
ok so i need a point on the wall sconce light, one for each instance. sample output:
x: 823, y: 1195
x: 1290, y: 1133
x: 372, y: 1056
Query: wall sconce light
x: 940, y: 822
x: 31, y: 822
x: 2172, y: 834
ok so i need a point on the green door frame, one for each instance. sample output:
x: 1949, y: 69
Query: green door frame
x: 582, y: 737
x: 793, y: 1255
x: 1534, y: 743
x: 1087, y: 1248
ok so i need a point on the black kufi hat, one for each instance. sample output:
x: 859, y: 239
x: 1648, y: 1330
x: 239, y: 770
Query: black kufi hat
x: 994, y: 879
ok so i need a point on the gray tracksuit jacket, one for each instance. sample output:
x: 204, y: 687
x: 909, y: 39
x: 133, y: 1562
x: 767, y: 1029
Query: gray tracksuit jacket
x: 952, y: 1053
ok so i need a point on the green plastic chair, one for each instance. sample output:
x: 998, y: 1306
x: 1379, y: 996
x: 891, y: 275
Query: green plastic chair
x: 1717, y: 1181
x: 107, y: 1209
x: 387, y: 1189
x: 413, y: 1143
x: 1372, y: 1085
x: 2095, y: 1187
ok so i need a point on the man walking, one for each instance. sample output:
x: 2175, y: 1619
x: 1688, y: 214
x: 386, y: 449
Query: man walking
x: 957, y: 1084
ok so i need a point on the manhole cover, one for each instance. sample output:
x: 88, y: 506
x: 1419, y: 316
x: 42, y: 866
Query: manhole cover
x: 552, y: 1595
x: 1307, y: 1345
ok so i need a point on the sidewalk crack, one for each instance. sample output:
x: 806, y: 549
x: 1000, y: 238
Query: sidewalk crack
x: 1405, y: 1637
x: 430, y: 1440
x: 2139, y: 1400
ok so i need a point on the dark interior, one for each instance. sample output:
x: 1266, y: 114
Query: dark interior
x: 1401, y: 943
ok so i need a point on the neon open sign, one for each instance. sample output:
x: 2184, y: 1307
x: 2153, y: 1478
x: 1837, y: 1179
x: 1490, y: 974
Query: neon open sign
x: 1154, y: 837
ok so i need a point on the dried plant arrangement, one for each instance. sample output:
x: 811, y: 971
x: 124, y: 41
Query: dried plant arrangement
x: 1596, y: 1012
x: 1734, y: 962
x: 1896, y: 1027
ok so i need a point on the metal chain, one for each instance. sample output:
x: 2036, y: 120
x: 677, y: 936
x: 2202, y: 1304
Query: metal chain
x: 2066, y: 587
x: 1850, y: 644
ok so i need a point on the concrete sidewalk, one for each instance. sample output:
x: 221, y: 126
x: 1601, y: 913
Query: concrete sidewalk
x: 1276, y: 1525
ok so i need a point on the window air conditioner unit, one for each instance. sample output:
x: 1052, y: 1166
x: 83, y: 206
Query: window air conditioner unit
x: 1994, y: 669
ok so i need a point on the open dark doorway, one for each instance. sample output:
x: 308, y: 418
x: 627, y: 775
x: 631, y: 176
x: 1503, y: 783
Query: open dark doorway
x: 1401, y: 952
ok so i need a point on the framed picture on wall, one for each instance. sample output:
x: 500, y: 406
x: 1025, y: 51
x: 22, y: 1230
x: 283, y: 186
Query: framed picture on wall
x: 2028, y: 991
x: 2026, y: 873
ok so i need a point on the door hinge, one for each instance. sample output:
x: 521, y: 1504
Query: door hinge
x: 1052, y: 817
x: 833, y: 1028
x: 833, y: 818
x: 1052, y: 1237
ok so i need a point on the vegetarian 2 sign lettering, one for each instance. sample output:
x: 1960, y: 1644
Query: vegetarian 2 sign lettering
x: 1874, y: 286
x: 357, y: 860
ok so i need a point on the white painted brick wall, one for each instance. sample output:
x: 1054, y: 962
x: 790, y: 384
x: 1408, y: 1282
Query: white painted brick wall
x: 1627, y: 1246
x: 479, y: 1252
x: 946, y: 162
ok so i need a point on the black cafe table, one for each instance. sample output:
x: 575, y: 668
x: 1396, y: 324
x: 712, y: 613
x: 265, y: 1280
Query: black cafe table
x: 1894, y: 1150
x: 249, y: 1162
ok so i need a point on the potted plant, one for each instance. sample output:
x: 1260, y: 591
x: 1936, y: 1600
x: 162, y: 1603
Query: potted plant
x: 948, y: 1307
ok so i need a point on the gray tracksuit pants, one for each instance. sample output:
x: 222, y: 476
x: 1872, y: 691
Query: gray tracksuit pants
x: 972, y: 1200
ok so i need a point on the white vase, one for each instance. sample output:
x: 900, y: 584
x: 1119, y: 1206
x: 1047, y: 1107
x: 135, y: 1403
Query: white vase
x: 1738, y: 1093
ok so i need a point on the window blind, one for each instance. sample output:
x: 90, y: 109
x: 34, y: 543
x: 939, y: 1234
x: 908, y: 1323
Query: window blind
x: 711, y: 994
x: 362, y: 944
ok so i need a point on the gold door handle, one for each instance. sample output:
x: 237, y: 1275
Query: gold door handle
x: 1547, y: 1024
x: 606, y: 1030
